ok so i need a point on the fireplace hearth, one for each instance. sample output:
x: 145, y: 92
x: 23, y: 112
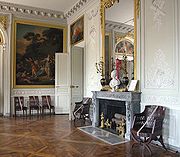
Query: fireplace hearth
x: 113, y: 116
x: 113, y: 105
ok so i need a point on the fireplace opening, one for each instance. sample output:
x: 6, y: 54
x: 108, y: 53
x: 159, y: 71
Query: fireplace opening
x: 112, y: 115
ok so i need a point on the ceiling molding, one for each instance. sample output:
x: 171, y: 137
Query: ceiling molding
x: 21, y: 9
x: 75, y: 8
x: 120, y: 27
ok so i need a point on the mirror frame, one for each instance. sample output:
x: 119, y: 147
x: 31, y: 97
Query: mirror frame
x: 107, y: 4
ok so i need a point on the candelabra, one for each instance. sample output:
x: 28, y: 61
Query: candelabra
x: 100, y: 69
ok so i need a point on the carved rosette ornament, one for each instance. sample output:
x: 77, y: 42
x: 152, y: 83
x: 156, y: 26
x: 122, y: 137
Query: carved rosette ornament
x: 3, y: 21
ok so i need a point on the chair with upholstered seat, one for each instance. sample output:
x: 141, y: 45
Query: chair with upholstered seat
x: 19, y: 105
x: 148, y: 126
x: 47, y: 104
x: 82, y: 109
x: 34, y: 105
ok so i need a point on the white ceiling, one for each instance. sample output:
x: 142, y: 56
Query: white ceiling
x: 121, y: 12
x: 58, y: 5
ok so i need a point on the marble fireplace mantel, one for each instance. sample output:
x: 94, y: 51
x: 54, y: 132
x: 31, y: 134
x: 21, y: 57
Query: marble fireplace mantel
x: 132, y: 103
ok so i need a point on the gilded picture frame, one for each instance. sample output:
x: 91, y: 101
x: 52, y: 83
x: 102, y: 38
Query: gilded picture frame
x: 77, y: 31
x: 34, y: 48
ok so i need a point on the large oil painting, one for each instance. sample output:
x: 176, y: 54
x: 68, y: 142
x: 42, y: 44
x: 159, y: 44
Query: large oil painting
x: 35, y: 45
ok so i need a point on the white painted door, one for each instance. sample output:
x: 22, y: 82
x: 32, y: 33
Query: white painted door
x: 76, y: 75
x: 62, y: 83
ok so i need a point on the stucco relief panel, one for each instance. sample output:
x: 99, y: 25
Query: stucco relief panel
x: 160, y: 73
x: 92, y: 46
x: 157, y: 7
x: 163, y: 100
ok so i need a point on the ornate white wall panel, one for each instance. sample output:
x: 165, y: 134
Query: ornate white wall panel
x: 93, y: 37
x: 160, y: 62
x: 92, y: 44
x: 62, y: 83
x: 160, y: 74
x: 5, y: 27
x: 160, y: 54
x: 158, y: 7
x: 164, y: 100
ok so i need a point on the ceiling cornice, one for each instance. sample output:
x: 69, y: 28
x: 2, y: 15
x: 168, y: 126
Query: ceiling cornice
x: 75, y: 8
x: 120, y: 27
x: 21, y: 9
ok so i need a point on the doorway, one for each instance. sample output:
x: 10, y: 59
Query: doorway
x: 77, y: 77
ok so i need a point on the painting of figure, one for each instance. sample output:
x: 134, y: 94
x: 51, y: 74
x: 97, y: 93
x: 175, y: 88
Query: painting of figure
x: 35, y: 45
x: 125, y: 46
x: 77, y: 31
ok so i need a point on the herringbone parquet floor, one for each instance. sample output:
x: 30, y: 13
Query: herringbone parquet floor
x: 57, y: 137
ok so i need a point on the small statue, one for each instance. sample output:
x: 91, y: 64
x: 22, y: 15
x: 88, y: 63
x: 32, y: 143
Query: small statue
x: 121, y: 128
x: 114, y: 83
x: 107, y: 124
x: 102, y: 120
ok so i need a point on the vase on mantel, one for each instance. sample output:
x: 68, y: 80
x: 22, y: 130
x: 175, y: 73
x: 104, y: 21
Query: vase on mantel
x: 103, y: 83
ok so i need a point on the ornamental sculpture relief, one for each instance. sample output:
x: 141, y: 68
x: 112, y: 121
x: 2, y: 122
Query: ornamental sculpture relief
x: 160, y: 74
x: 158, y: 12
x: 93, y: 13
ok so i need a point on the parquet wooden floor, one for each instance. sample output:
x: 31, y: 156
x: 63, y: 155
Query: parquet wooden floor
x: 57, y: 137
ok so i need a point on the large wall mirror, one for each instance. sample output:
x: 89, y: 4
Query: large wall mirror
x: 118, y: 19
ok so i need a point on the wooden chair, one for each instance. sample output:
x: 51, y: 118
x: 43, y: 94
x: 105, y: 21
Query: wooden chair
x: 19, y: 105
x: 148, y: 126
x: 81, y: 110
x: 47, y: 104
x: 34, y: 104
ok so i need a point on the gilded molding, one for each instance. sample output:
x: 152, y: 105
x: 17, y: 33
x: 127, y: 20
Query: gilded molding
x: 137, y: 7
x: 3, y: 21
x: 129, y: 35
x: 109, y: 3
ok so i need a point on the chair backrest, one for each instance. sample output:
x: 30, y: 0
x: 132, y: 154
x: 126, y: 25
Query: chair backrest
x: 19, y: 102
x: 153, y: 112
x: 86, y: 104
x: 46, y: 100
x: 33, y: 100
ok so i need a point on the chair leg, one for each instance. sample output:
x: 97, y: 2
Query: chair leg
x: 148, y: 148
x: 26, y: 113
x: 53, y: 110
x: 143, y: 142
x: 15, y: 113
x: 160, y: 139
x: 42, y: 111
x: 29, y: 112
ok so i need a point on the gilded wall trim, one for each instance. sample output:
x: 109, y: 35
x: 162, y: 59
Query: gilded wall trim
x: 3, y: 21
